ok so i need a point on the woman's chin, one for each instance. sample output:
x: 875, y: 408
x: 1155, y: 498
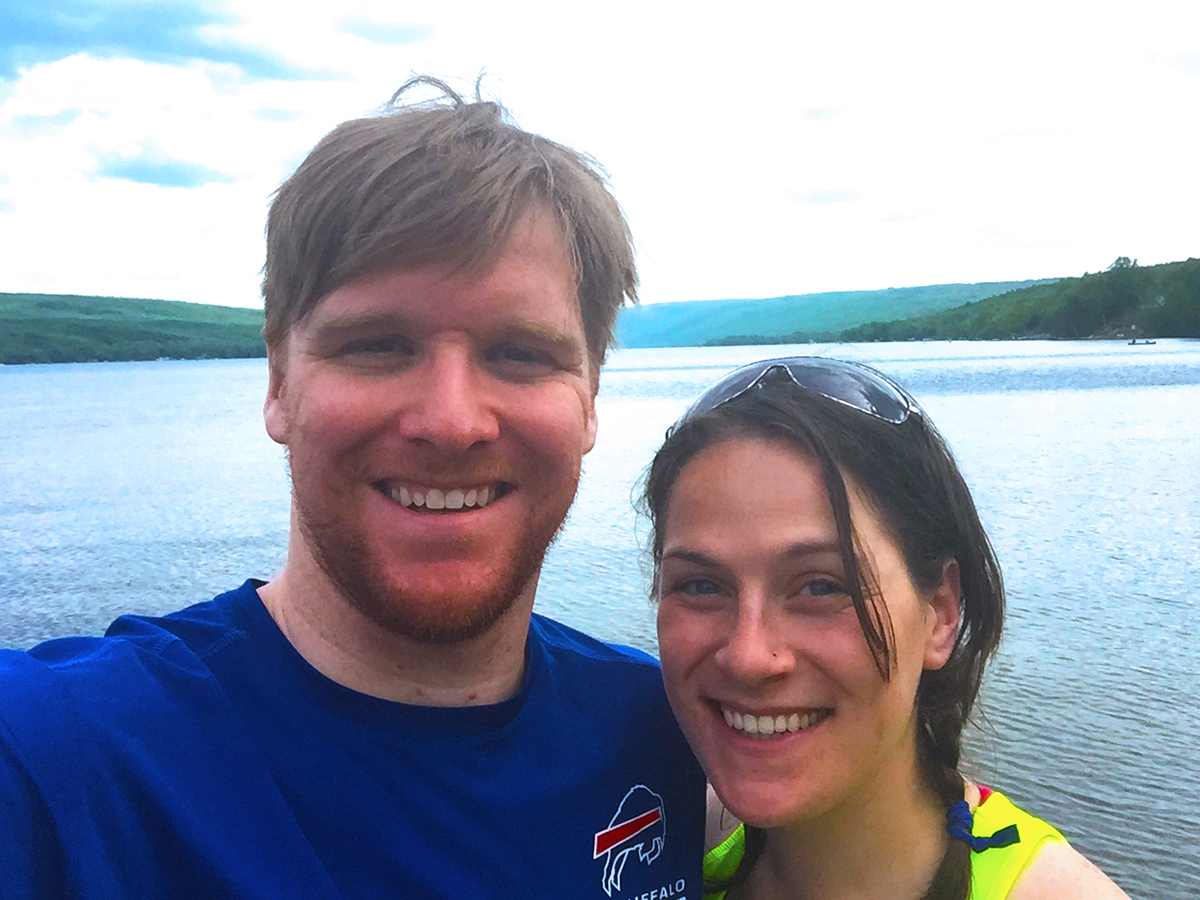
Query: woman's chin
x: 761, y: 805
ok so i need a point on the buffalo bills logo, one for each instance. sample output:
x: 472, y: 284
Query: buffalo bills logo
x: 639, y: 824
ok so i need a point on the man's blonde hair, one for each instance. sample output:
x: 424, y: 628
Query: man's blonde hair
x: 439, y: 182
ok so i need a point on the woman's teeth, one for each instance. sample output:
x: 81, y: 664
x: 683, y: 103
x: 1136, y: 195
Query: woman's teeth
x: 433, y: 498
x: 768, y: 726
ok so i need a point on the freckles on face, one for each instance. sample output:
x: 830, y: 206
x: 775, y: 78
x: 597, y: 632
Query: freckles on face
x: 763, y: 658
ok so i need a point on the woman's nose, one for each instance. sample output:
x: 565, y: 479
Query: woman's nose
x: 754, y: 650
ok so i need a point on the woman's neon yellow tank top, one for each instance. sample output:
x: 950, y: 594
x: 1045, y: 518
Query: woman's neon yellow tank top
x: 993, y: 871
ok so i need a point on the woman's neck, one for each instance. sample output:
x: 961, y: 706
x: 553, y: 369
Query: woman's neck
x: 886, y: 844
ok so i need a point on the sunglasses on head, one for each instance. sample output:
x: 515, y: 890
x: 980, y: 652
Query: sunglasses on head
x: 851, y: 384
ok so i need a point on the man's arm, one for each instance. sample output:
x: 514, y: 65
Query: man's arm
x: 29, y: 855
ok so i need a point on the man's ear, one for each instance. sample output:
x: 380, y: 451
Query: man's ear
x: 589, y: 434
x: 275, y: 409
x: 944, y: 615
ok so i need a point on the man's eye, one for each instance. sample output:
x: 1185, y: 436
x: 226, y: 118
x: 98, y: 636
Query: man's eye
x: 384, y: 345
x: 520, y: 361
x: 518, y: 354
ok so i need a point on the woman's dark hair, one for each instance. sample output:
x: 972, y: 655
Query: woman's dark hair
x: 908, y: 475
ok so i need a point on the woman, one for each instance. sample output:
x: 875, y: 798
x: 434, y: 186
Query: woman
x: 827, y: 601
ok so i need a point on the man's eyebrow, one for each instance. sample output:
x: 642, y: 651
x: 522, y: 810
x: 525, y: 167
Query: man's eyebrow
x: 364, y: 321
x: 373, y: 319
x: 540, y: 333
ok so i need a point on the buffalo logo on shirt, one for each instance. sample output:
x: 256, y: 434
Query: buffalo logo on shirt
x: 639, y: 824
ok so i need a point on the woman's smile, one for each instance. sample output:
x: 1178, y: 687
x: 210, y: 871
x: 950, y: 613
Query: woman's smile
x: 772, y: 725
x: 762, y: 651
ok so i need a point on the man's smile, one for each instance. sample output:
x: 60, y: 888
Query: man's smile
x: 413, y: 496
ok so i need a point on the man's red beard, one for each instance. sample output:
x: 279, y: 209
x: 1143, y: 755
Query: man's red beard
x: 360, y: 576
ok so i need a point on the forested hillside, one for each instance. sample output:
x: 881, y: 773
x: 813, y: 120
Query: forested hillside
x: 1126, y: 300
x: 790, y: 319
x: 44, y: 328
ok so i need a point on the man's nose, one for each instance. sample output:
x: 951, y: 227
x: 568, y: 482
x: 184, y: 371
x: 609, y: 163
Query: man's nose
x: 453, y: 404
x: 754, y: 649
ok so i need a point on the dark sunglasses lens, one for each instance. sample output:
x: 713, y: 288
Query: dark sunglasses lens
x: 860, y: 388
x: 856, y: 386
x: 732, y: 385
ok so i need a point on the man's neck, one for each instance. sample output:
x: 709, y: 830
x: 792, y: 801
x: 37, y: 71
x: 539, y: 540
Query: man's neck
x: 336, y: 639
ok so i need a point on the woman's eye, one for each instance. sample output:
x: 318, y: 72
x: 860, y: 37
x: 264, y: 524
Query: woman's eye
x: 824, y: 587
x: 697, y: 587
x: 819, y: 596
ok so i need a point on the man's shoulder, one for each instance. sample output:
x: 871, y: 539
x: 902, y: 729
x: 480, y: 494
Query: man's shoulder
x: 199, y: 631
x: 196, y: 630
x: 139, y: 664
x: 599, y: 679
x: 571, y: 642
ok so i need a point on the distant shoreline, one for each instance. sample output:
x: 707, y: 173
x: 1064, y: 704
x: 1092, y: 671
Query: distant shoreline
x: 1124, y: 302
x: 58, y: 328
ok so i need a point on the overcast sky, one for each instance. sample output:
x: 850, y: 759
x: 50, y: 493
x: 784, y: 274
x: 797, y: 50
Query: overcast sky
x: 759, y: 149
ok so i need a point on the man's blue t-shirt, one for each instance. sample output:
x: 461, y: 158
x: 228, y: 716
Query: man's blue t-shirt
x: 199, y: 755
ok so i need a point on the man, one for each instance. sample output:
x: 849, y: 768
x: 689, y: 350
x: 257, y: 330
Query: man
x: 386, y: 717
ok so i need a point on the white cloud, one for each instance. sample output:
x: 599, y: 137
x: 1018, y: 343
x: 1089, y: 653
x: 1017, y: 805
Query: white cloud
x: 770, y: 148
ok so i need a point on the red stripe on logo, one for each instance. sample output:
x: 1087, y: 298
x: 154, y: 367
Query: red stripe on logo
x: 623, y: 831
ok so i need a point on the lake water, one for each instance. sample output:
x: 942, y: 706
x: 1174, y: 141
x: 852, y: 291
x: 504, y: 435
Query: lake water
x: 146, y: 486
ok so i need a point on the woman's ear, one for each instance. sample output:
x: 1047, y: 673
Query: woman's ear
x: 944, y: 614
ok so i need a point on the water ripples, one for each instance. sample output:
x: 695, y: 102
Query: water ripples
x: 146, y: 486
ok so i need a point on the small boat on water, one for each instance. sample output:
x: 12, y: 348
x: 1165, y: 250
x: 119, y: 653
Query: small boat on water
x: 1136, y: 341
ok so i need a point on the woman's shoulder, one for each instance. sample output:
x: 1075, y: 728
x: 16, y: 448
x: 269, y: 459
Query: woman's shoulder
x: 1060, y: 872
x: 1042, y: 866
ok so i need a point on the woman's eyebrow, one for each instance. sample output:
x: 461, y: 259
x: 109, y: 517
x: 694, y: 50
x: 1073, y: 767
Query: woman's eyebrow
x: 800, y: 548
x: 806, y: 548
x: 691, y: 556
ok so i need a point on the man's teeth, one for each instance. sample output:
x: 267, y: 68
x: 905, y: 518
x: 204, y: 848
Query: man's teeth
x: 433, y: 498
x: 766, y: 726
